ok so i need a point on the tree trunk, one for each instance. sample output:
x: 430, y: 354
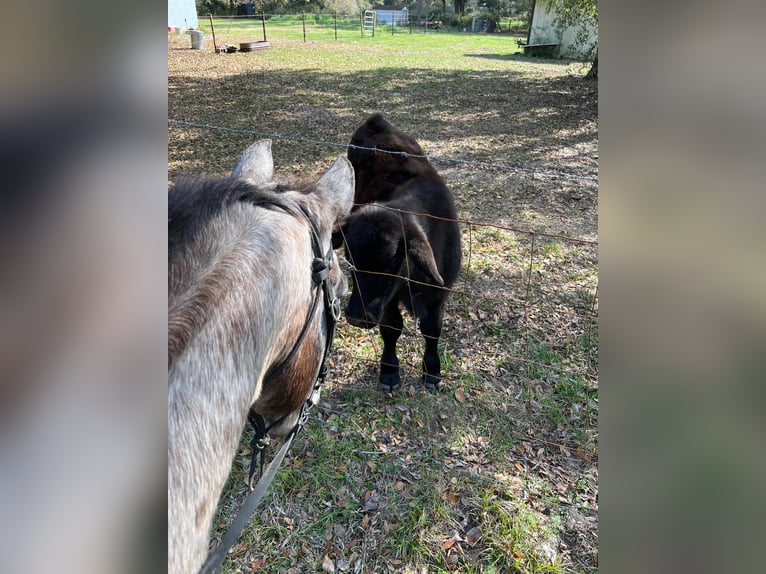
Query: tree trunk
x: 593, y: 72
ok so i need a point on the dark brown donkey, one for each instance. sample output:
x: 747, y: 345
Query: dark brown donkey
x: 240, y: 289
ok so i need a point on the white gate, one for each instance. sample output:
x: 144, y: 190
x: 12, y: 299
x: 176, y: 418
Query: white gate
x: 368, y: 23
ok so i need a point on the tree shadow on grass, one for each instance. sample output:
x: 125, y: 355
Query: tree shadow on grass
x: 503, y: 114
x: 516, y: 57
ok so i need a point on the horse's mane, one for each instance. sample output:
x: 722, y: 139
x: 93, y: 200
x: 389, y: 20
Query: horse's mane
x: 193, y: 203
x: 192, y: 206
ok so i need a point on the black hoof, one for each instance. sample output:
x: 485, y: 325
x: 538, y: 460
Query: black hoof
x: 433, y: 383
x: 389, y: 382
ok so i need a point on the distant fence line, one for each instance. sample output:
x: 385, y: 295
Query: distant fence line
x: 411, y: 24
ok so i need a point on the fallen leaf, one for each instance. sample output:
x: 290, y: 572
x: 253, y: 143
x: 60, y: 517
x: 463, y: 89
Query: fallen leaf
x: 448, y: 544
x: 394, y: 561
x: 473, y: 535
x: 399, y: 486
x: 257, y: 563
x: 371, y: 500
x: 518, y: 467
x: 239, y: 549
x: 328, y: 565
x: 366, y: 521
x: 582, y: 455
x: 459, y: 396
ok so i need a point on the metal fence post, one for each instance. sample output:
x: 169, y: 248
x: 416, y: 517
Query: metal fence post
x: 263, y: 23
x: 303, y: 17
x: 335, y: 23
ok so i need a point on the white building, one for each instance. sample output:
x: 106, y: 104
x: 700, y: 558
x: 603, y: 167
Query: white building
x: 399, y: 15
x: 182, y: 14
x: 543, y: 30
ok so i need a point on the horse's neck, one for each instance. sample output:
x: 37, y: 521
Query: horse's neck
x: 216, y: 379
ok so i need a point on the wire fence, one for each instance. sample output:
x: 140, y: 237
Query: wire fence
x: 524, y: 307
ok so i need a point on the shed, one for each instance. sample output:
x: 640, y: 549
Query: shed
x: 398, y: 15
x: 182, y: 14
x: 546, y: 37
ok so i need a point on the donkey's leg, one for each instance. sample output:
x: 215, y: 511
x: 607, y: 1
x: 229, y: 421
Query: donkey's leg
x: 390, y: 329
x: 431, y: 328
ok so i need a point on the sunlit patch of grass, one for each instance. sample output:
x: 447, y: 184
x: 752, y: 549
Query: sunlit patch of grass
x: 518, y: 539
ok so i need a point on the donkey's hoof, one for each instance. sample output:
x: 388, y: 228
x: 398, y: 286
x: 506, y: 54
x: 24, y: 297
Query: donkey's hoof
x: 433, y: 383
x: 389, y: 382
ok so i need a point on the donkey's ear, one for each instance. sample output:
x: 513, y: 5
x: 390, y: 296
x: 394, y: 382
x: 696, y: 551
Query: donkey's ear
x: 337, y: 186
x: 256, y: 163
x: 420, y: 253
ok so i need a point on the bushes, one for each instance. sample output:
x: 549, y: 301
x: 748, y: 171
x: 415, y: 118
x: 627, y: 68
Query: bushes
x: 216, y: 7
x: 461, y: 21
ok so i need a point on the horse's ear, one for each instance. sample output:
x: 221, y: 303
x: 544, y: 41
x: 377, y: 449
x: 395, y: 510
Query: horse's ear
x: 337, y: 186
x: 256, y: 163
x: 420, y: 253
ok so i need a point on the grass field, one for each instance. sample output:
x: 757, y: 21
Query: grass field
x: 499, y: 472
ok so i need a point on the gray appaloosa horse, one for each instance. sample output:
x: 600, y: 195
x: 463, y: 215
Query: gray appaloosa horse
x: 240, y: 292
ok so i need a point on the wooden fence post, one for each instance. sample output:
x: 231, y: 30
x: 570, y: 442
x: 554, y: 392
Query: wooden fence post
x: 335, y: 23
x: 212, y: 29
x: 303, y: 17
